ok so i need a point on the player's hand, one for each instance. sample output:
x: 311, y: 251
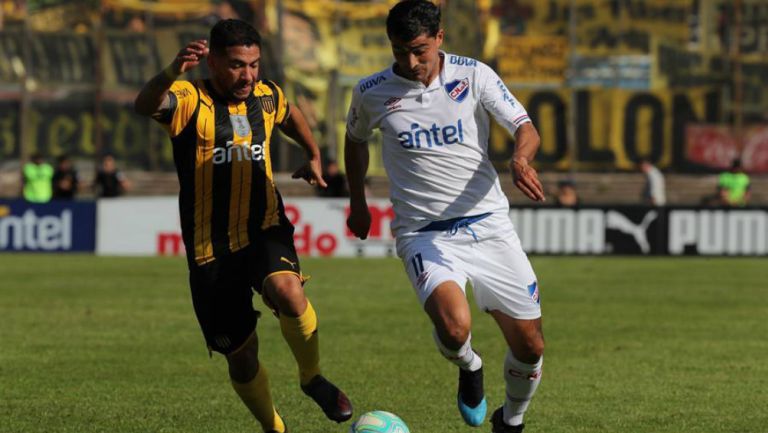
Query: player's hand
x: 190, y: 56
x: 527, y: 180
x: 311, y: 172
x: 359, y: 220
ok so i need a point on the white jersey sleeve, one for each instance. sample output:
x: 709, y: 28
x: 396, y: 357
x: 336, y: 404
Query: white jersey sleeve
x: 359, y: 126
x: 499, y: 101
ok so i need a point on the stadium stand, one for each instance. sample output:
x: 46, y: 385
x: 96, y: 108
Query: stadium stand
x: 593, y: 188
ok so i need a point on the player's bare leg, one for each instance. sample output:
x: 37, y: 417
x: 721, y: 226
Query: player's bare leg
x: 284, y: 293
x: 522, y: 370
x: 250, y: 381
x: 448, y: 309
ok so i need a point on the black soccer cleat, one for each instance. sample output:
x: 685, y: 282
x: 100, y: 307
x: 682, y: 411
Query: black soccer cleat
x: 499, y: 426
x: 471, y: 397
x: 331, y: 399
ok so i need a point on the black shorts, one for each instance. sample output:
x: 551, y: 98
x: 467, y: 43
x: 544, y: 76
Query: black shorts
x: 222, y: 290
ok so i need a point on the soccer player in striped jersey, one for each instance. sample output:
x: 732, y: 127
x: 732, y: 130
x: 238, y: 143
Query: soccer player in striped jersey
x: 451, y: 220
x: 233, y: 222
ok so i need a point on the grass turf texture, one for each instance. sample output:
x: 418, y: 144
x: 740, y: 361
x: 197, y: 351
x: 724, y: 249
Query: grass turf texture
x: 633, y: 345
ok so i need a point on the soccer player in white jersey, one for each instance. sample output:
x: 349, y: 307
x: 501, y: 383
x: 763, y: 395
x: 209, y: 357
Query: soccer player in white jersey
x: 451, y: 217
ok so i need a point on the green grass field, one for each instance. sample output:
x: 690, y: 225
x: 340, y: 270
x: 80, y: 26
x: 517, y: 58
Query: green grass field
x: 93, y: 344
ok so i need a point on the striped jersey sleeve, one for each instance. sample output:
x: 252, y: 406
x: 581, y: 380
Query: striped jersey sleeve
x: 499, y: 101
x: 184, y: 98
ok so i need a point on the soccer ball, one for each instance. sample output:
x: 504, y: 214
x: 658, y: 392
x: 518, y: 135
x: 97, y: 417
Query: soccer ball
x: 379, y: 421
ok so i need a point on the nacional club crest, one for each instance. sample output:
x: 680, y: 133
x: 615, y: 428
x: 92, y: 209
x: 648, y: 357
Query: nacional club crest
x: 458, y: 89
x: 268, y: 104
x: 240, y: 124
x: 533, y: 290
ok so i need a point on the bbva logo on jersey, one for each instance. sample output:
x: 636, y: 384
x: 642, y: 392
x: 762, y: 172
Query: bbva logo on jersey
x: 462, y: 61
x: 458, y: 89
x: 365, y: 85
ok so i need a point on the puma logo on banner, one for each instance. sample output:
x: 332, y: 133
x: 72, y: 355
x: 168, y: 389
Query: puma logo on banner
x: 618, y: 221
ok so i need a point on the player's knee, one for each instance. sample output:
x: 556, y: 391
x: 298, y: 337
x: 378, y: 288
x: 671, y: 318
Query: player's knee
x: 287, y: 295
x: 456, y: 333
x: 537, y: 348
x: 532, y: 349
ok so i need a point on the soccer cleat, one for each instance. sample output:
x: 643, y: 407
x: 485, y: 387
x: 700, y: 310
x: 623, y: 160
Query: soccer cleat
x: 471, y: 397
x: 499, y: 426
x: 331, y: 399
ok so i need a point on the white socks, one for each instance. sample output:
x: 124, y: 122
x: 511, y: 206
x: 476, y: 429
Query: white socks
x: 464, y: 357
x: 522, y: 380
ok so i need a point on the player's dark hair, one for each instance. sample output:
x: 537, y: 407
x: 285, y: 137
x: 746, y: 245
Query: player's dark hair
x: 411, y: 18
x: 233, y: 33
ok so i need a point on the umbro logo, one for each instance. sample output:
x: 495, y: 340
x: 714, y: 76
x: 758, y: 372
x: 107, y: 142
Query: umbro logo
x: 392, y: 103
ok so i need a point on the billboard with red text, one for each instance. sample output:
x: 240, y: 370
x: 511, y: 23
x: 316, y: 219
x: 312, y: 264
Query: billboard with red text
x: 150, y: 226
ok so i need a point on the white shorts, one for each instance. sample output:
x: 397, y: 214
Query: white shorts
x: 492, y: 259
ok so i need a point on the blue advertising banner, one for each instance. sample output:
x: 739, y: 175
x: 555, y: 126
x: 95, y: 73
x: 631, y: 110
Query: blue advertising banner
x: 57, y: 226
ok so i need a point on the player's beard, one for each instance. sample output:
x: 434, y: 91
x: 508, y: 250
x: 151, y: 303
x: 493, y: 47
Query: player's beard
x: 240, y: 91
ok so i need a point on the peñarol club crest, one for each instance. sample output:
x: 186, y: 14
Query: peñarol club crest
x: 268, y: 104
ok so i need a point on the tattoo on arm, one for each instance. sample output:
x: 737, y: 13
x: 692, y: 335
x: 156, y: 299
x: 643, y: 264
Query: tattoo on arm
x: 153, y: 99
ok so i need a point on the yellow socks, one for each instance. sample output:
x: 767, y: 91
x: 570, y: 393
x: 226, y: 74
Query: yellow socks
x: 301, y: 335
x: 256, y: 396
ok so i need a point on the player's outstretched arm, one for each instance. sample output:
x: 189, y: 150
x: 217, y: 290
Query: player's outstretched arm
x: 525, y: 177
x: 356, y: 162
x: 296, y: 127
x: 153, y: 97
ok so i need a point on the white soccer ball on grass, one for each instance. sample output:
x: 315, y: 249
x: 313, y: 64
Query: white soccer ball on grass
x: 379, y: 421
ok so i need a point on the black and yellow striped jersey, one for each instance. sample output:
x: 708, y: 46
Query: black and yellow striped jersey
x: 222, y: 156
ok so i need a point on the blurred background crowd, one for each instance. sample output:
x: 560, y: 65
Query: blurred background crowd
x: 637, y: 101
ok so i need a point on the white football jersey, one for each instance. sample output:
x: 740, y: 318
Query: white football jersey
x: 435, y: 146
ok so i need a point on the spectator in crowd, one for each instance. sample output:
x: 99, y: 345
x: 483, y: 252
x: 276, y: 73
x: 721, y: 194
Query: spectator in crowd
x: 734, y: 185
x: 36, y: 176
x: 65, y: 179
x: 566, y: 195
x: 337, y: 182
x: 136, y: 24
x: 109, y: 181
x: 719, y: 198
x: 654, y: 192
